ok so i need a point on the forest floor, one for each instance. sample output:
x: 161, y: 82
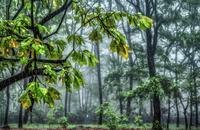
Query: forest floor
x: 93, y: 127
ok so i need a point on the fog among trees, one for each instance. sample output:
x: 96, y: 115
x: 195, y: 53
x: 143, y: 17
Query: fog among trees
x: 100, y: 64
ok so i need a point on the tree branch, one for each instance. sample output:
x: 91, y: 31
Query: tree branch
x: 55, y: 13
x: 17, y: 77
x: 19, y: 10
x: 62, y: 19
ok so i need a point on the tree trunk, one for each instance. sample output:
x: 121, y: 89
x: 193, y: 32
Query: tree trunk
x: 169, y: 112
x: 7, y: 106
x: 157, y: 113
x: 8, y: 4
x: 185, y: 112
x: 177, y: 112
x: 196, y: 97
x: 121, y: 105
x: 99, y: 83
x: 118, y: 93
x: 196, y: 105
x: 191, y: 93
x: 151, y: 49
x: 191, y: 110
x: 128, y: 106
x: 20, y: 119
x: 26, y: 115
x: 69, y: 103
x: 185, y: 117
x: 65, y: 108
x: 8, y: 101
x: 31, y: 117
x: 131, y: 62
x: 152, y: 73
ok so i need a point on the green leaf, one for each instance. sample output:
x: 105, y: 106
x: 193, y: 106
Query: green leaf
x: 24, y: 60
x: 145, y: 23
x: 84, y: 58
x: 119, y: 47
x: 95, y: 36
x: 55, y: 94
x: 25, y: 101
x: 74, y: 38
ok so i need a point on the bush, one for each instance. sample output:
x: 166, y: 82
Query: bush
x: 138, y: 121
x: 112, y: 118
x: 51, y: 118
x: 63, y: 121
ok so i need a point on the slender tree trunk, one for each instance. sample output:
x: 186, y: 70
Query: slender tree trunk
x: 195, y: 96
x: 185, y: 117
x: 184, y: 112
x: 8, y: 4
x: 191, y: 110
x: 27, y: 112
x: 79, y: 99
x: 118, y: 93
x: 191, y: 94
x: 196, y: 104
x: 20, y: 119
x: 99, y: 83
x: 152, y: 73
x: 151, y: 49
x: 69, y: 103
x: 140, y: 107
x: 121, y: 105
x: 177, y: 112
x: 131, y: 62
x: 66, y: 101
x: 169, y: 111
x: 7, y: 106
x: 176, y: 93
x: 128, y: 106
x: 8, y: 101
x: 151, y: 109
x: 26, y: 115
x: 31, y: 117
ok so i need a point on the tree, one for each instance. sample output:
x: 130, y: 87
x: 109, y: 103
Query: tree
x: 29, y: 36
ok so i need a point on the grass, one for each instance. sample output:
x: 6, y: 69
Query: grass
x: 56, y: 126
x: 147, y: 126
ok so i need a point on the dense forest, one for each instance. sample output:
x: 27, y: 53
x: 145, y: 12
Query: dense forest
x: 107, y: 64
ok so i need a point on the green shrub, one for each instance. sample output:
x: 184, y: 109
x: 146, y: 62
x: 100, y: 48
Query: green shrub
x: 51, y: 118
x: 138, y: 121
x: 63, y: 121
x: 112, y: 118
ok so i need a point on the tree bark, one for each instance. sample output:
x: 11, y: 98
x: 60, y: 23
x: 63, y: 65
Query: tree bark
x: 20, y: 119
x: 7, y: 106
x: 185, y: 118
x: 196, y: 97
x: 128, y: 106
x: 69, y: 103
x: 8, y: 4
x: 8, y: 101
x: 176, y: 93
x: 184, y: 112
x: 177, y: 112
x: 66, y: 101
x: 191, y: 109
x: 26, y: 116
x: 151, y: 42
x: 99, y: 83
x: 169, y: 111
